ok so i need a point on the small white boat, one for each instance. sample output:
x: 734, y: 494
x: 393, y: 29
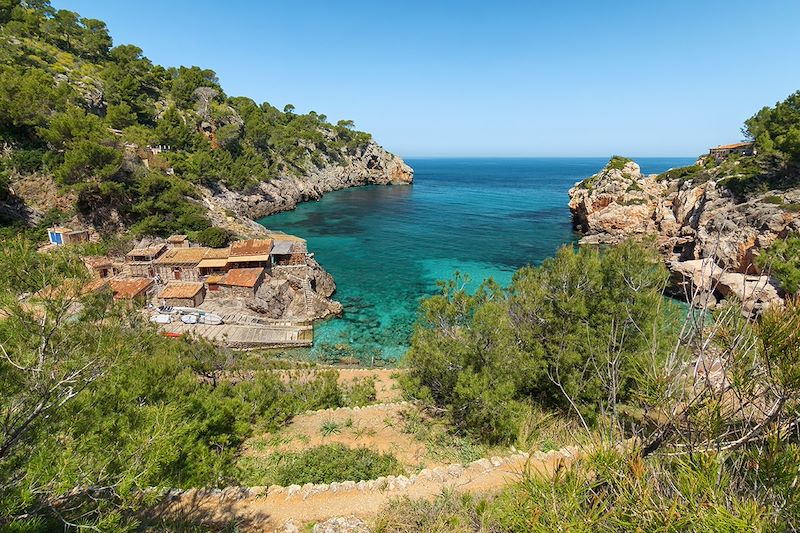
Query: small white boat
x: 189, y: 319
x: 210, y: 319
x: 161, y: 319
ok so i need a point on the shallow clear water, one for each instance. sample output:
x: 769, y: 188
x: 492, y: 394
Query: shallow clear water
x: 387, y: 246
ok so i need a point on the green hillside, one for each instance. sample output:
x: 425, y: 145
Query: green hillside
x: 76, y: 107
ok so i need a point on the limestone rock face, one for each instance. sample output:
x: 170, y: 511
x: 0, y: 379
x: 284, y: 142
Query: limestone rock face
x: 704, y: 283
x: 616, y: 202
x: 690, y: 221
x: 370, y: 165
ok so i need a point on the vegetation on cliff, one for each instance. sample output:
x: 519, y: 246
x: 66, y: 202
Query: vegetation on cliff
x: 692, y: 425
x: 782, y: 260
x: 75, y: 107
x: 776, y: 164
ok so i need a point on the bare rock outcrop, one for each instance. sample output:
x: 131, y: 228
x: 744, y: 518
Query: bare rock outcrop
x: 691, y: 221
x: 369, y: 165
x: 704, y: 283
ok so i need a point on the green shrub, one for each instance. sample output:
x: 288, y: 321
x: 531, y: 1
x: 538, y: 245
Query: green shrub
x: 212, y: 237
x: 617, y: 162
x: 323, y: 464
x: 474, y: 355
x: 782, y: 260
x: 689, y: 173
x: 360, y: 392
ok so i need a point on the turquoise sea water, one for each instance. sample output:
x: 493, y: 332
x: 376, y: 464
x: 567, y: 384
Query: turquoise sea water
x: 387, y: 246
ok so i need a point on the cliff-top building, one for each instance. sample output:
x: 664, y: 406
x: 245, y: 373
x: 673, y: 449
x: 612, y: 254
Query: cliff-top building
x: 723, y: 151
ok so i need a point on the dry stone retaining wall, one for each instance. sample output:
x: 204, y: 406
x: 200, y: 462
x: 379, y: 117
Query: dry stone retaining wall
x: 381, y: 484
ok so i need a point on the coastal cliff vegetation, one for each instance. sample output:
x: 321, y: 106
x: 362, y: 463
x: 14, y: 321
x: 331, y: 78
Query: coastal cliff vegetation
x: 775, y: 132
x: 686, y: 424
x: 128, y: 140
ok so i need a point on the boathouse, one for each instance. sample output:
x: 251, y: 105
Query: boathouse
x: 285, y: 253
x: 178, y: 241
x: 136, y: 289
x: 214, y: 262
x: 100, y: 267
x: 238, y: 282
x: 183, y: 294
x: 252, y: 253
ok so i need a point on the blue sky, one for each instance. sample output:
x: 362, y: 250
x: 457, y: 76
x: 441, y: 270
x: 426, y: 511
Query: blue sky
x: 499, y: 78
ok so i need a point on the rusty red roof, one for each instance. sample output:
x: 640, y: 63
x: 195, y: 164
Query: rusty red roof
x: 251, y: 247
x: 241, y: 277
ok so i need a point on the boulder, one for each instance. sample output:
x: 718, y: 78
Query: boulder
x: 342, y: 524
x: 704, y: 283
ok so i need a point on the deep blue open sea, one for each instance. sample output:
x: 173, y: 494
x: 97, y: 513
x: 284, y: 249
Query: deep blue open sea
x: 387, y: 246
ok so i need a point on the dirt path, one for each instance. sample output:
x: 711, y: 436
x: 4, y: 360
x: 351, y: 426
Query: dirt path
x: 261, y: 509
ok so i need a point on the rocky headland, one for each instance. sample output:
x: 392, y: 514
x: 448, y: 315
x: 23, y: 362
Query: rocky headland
x: 370, y: 165
x: 709, y: 236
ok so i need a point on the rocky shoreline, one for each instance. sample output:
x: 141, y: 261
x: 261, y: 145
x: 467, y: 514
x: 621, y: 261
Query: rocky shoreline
x: 370, y: 165
x: 709, y: 238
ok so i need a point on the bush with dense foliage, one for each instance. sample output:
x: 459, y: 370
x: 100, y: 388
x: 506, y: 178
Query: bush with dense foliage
x: 481, y: 356
x: 708, y: 442
x: 323, y: 464
x: 778, y: 128
x: 782, y: 260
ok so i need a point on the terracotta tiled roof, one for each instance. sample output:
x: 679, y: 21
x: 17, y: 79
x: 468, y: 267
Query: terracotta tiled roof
x: 241, y: 277
x: 177, y: 238
x: 181, y: 290
x: 251, y: 247
x: 215, y: 279
x: 149, y: 251
x: 126, y: 288
x: 97, y: 262
x: 182, y: 256
x: 733, y: 146
x: 217, y: 253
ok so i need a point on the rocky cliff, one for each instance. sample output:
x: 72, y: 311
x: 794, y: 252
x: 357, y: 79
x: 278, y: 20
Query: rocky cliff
x: 369, y: 165
x: 691, y: 220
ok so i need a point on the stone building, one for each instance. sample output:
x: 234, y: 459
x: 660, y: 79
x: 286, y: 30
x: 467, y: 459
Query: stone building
x: 237, y: 282
x: 100, y: 267
x: 214, y: 262
x: 721, y: 152
x: 251, y: 253
x: 140, y: 260
x: 183, y: 294
x: 136, y: 289
x: 180, y: 264
x: 59, y: 236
